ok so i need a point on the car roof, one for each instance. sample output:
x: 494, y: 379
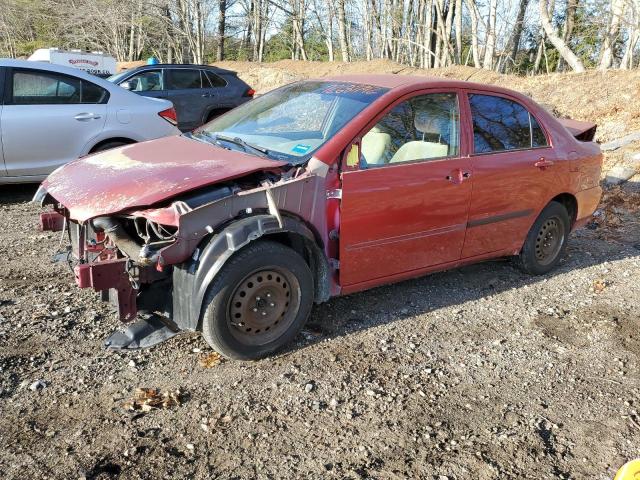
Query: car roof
x: 178, y: 65
x: 408, y: 82
x: 53, y: 67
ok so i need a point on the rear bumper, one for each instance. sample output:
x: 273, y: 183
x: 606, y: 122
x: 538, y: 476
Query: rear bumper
x: 588, y: 201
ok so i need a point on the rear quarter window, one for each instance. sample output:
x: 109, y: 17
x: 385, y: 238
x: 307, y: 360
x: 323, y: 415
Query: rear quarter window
x: 215, y: 80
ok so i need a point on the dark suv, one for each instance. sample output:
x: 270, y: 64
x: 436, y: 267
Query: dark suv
x: 198, y: 92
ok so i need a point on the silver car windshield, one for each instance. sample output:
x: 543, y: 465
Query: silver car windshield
x: 292, y: 122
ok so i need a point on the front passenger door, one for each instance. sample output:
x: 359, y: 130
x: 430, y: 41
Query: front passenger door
x: 404, y: 208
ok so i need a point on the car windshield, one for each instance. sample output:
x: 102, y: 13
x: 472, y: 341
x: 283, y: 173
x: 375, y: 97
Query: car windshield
x: 117, y: 76
x: 292, y: 122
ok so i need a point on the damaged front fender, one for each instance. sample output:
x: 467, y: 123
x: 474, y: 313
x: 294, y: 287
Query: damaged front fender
x: 192, y: 279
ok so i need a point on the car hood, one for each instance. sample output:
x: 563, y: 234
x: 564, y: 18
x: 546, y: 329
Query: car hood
x: 143, y: 174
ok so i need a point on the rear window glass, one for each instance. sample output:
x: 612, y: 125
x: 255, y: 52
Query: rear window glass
x: 500, y: 124
x: 182, y: 79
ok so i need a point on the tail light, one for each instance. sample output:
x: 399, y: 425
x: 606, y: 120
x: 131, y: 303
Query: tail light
x: 170, y: 116
x: 250, y: 92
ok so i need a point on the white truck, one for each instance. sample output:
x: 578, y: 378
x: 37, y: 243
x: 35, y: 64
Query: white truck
x: 96, y: 63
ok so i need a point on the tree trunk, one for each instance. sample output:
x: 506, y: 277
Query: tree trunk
x: 458, y: 24
x: 567, y: 29
x: 474, y: 33
x: 572, y: 60
x: 490, y: 44
x: 516, y: 35
x: 627, y: 59
x: 222, y: 23
x: 611, y: 37
x: 342, y: 31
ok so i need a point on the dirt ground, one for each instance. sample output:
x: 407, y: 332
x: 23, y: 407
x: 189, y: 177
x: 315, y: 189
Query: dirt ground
x: 481, y: 372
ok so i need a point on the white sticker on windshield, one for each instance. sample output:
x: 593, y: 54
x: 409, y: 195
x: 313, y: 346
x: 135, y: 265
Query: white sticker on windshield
x: 301, y: 149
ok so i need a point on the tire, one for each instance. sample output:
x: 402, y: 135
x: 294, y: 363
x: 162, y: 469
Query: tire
x: 216, y: 113
x: 258, y: 302
x: 546, y: 241
x: 108, y: 146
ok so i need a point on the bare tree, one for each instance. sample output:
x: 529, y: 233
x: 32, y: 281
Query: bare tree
x: 572, y: 60
x: 342, y: 31
x: 490, y: 43
x: 611, y: 36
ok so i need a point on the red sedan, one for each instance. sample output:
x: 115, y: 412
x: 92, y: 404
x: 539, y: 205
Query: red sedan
x: 319, y: 188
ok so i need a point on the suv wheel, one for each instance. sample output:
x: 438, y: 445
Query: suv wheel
x: 546, y: 240
x: 258, y: 302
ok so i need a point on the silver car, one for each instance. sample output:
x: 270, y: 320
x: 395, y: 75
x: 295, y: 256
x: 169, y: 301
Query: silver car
x: 51, y: 114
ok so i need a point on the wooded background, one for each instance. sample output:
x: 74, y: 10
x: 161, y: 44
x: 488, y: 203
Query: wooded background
x: 517, y: 36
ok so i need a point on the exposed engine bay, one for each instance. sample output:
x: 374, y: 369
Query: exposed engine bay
x: 152, y: 263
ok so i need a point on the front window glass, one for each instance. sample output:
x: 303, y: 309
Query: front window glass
x: 426, y: 127
x: 294, y: 121
x: 148, y: 81
x: 42, y: 88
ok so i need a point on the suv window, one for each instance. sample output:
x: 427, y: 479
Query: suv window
x: 500, y: 124
x: 47, y: 88
x: 215, y: 80
x: 182, y: 78
x: 147, y: 81
x: 423, y: 128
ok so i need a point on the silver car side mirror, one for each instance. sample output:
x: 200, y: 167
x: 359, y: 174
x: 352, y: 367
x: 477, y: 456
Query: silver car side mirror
x: 126, y: 85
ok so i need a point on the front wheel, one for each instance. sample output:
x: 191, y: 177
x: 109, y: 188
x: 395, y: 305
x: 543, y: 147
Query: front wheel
x: 546, y: 240
x: 258, y: 301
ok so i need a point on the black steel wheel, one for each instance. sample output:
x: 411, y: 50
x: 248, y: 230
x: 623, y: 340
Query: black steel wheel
x: 546, y: 240
x: 258, y: 301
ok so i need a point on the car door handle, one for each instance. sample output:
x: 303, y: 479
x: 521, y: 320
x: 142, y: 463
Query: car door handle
x: 83, y: 117
x: 207, y: 95
x: 542, y: 163
x: 458, y: 176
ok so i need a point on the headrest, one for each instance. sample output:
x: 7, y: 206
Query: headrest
x: 426, y: 123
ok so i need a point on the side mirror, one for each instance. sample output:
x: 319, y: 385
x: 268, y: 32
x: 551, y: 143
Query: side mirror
x: 127, y: 85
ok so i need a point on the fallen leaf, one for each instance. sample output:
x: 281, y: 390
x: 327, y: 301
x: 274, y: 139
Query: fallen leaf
x: 211, y: 360
x: 147, y: 399
x: 599, y: 286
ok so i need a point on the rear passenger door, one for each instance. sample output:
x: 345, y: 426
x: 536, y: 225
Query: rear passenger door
x: 47, y: 119
x: 510, y: 181
x: 216, y: 94
x: 189, y: 98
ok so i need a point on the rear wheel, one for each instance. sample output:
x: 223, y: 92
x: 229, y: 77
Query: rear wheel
x: 107, y: 146
x: 258, y: 302
x: 546, y: 240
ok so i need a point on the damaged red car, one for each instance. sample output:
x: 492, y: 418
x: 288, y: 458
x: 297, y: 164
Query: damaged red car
x: 316, y: 189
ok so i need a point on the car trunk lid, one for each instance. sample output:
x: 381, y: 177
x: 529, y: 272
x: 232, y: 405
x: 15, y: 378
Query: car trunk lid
x: 583, y: 131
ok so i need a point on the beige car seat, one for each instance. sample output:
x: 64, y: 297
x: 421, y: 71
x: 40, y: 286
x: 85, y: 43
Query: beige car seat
x: 420, y: 149
x: 374, y: 144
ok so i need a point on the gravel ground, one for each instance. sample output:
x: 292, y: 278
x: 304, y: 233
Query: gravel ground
x: 481, y: 372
